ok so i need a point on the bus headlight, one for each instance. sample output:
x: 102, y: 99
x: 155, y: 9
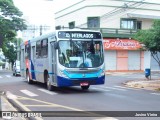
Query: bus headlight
x: 102, y: 73
x: 62, y: 74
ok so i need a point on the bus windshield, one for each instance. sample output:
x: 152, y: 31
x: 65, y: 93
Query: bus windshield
x: 80, y: 54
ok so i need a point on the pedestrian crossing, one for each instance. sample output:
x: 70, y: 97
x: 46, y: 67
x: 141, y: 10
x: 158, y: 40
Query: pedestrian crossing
x: 100, y: 88
x: 5, y: 76
x: 104, y: 89
x: 29, y: 93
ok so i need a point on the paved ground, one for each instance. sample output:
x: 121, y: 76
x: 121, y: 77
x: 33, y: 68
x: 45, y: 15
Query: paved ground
x: 153, y: 84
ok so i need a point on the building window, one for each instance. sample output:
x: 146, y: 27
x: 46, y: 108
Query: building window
x: 71, y: 25
x: 93, y: 22
x: 128, y: 24
x: 58, y: 27
x: 139, y: 25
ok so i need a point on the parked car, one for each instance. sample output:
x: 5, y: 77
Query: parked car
x: 16, y: 68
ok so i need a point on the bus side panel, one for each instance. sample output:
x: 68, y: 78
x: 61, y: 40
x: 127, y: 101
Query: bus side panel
x: 33, y: 71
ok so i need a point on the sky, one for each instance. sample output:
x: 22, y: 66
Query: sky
x: 41, y: 12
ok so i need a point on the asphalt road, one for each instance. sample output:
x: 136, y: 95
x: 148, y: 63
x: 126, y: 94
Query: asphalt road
x: 112, y: 96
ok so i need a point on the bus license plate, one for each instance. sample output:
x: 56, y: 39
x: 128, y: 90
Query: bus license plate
x: 84, y: 84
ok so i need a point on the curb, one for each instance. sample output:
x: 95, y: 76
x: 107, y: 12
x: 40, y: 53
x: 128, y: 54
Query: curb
x: 7, y: 107
x: 12, y: 99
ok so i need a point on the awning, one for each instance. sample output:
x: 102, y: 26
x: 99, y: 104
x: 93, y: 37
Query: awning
x: 132, y: 15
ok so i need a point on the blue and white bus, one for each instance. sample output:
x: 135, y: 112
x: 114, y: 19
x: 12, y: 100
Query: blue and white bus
x: 64, y: 58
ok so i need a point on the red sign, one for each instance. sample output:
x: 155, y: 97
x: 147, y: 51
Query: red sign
x: 121, y: 44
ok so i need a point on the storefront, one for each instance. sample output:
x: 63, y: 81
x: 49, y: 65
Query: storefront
x: 123, y: 55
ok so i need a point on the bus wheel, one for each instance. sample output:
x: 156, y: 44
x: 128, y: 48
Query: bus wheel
x: 85, y: 87
x: 28, y: 78
x: 49, y: 86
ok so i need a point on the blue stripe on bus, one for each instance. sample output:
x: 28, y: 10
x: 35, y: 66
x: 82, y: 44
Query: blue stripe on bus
x: 33, y: 72
x: 38, y: 72
x: 50, y: 73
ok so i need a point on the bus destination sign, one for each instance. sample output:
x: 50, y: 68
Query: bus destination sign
x: 79, y: 35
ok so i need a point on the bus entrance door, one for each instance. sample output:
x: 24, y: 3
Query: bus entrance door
x: 53, y: 61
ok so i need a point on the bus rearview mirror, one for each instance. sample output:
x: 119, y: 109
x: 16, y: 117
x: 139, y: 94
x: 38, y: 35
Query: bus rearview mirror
x: 56, y: 45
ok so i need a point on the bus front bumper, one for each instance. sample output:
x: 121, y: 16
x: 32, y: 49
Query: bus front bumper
x: 76, y: 82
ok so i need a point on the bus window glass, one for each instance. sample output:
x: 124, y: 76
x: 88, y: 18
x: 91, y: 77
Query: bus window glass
x: 80, y: 54
x: 44, y: 49
x: 38, y: 49
x: 27, y: 51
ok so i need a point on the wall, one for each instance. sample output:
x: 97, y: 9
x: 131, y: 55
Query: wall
x: 109, y: 11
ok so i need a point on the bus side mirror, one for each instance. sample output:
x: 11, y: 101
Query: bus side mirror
x: 56, y: 45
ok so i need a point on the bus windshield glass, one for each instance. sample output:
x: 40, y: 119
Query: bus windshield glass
x: 80, y: 54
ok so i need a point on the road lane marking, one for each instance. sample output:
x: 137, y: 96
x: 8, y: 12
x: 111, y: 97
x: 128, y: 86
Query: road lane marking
x: 48, y: 92
x: 114, y: 88
x: 21, y: 105
x: 31, y: 94
x: 8, y: 76
x: 125, y: 87
x: 81, y: 112
x: 101, y: 89
x: 155, y: 93
x: 41, y: 105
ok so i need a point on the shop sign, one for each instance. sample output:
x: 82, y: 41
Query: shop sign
x: 121, y: 44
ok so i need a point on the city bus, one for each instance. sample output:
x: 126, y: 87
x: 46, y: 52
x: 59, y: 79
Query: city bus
x: 64, y: 58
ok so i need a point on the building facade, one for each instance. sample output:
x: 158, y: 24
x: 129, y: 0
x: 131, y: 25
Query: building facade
x: 118, y: 20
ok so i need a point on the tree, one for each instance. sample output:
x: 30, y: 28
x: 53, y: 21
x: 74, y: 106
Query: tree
x: 151, y: 39
x: 10, y: 49
x: 10, y: 23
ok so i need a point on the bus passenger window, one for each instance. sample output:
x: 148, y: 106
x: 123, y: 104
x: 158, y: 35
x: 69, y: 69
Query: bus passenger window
x: 38, y: 49
x: 44, y: 50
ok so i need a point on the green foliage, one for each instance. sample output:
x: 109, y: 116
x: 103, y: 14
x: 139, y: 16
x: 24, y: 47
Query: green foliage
x: 10, y: 19
x: 10, y: 23
x: 1, y: 63
x: 9, y: 50
x: 151, y: 39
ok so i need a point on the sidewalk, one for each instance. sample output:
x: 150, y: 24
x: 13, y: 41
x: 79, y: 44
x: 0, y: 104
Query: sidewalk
x: 6, y: 107
x: 144, y: 83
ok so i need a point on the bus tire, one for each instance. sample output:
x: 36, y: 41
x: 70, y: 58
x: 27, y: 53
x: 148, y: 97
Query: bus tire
x: 28, y: 78
x: 85, y: 87
x: 49, y: 86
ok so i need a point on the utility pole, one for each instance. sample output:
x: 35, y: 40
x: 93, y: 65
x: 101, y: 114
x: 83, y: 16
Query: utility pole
x: 42, y: 28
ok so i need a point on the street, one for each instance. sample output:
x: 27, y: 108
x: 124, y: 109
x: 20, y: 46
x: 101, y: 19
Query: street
x: 112, y: 96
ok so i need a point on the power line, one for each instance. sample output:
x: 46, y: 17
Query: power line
x: 33, y: 29
x: 118, y: 10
